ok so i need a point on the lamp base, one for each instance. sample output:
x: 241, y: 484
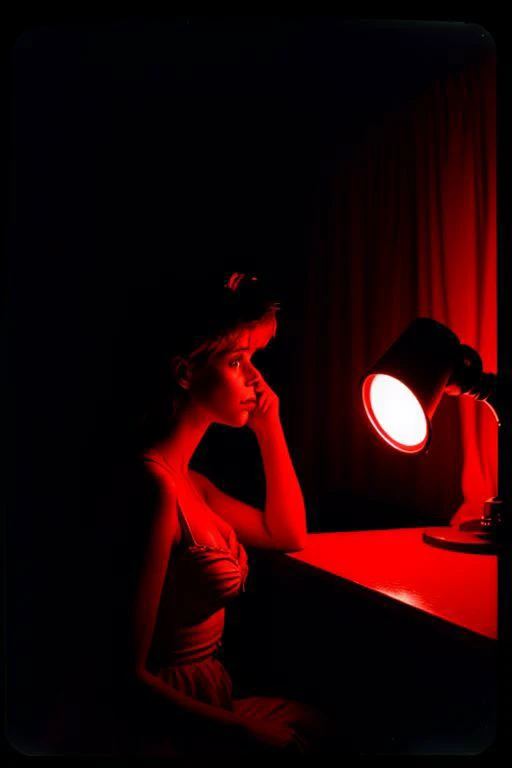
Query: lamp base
x: 461, y: 539
x: 486, y: 535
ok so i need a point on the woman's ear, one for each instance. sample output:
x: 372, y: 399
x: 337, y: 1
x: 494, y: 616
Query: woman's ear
x: 181, y: 372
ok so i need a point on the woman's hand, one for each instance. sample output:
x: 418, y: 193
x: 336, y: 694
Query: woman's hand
x: 265, y: 415
x: 276, y: 735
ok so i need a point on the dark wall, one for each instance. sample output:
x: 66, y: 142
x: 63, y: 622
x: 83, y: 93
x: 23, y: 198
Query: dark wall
x: 182, y: 146
x: 186, y: 145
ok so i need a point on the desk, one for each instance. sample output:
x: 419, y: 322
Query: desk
x: 456, y: 587
x: 396, y: 637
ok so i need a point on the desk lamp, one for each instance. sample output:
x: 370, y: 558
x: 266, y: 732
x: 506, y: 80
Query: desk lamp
x: 401, y: 393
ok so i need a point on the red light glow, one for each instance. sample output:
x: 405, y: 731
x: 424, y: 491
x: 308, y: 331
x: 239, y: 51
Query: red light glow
x: 395, y: 413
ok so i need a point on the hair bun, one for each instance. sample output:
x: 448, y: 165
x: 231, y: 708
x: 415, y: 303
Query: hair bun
x: 234, y: 280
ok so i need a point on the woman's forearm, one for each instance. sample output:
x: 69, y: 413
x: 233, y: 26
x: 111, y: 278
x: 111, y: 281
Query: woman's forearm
x: 172, y: 701
x: 285, y: 513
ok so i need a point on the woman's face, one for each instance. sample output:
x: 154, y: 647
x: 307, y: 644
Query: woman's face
x: 224, y: 389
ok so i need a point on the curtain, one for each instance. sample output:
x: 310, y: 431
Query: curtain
x: 457, y: 247
x: 402, y: 224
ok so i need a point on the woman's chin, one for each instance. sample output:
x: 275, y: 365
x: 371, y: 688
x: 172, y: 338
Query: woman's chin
x: 242, y: 419
x: 238, y: 420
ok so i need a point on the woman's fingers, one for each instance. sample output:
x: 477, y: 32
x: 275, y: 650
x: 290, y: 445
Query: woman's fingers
x: 266, y: 403
x: 301, y: 744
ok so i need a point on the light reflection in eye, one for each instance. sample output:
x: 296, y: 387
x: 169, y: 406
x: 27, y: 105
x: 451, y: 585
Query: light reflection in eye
x: 254, y: 358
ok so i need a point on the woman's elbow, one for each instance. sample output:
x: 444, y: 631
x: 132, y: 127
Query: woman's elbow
x: 141, y: 676
x: 295, y: 544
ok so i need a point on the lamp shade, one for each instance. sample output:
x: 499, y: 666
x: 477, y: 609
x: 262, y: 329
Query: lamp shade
x: 403, y: 389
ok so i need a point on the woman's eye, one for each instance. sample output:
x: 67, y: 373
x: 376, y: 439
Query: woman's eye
x: 235, y: 363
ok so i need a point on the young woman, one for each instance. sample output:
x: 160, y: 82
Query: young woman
x: 179, y: 542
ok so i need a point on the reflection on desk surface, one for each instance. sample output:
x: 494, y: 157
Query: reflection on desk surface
x: 458, y: 587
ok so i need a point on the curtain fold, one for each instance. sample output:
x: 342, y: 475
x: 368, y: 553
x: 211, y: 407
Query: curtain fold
x: 455, y: 125
x: 402, y: 225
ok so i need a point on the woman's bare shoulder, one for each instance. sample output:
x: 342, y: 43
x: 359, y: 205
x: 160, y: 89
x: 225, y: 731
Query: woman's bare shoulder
x: 143, y: 490
x: 154, y: 474
x: 149, y: 502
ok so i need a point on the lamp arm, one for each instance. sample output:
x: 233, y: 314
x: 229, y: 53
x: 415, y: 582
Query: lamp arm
x: 498, y: 510
x: 469, y: 379
x: 492, y: 399
x: 503, y: 399
x: 495, y: 391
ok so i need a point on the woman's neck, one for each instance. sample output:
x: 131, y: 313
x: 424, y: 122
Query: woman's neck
x: 187, y: 432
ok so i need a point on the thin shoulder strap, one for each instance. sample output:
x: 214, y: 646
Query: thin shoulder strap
x: 158, y: 459
x: 185, y: 525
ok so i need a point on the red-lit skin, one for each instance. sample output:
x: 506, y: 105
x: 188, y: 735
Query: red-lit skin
x: 216, y: 394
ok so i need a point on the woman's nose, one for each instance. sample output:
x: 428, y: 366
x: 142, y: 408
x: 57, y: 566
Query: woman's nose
x: 251, y: 375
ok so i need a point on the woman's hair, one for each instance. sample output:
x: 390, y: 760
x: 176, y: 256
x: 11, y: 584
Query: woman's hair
x: 174, y: 319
